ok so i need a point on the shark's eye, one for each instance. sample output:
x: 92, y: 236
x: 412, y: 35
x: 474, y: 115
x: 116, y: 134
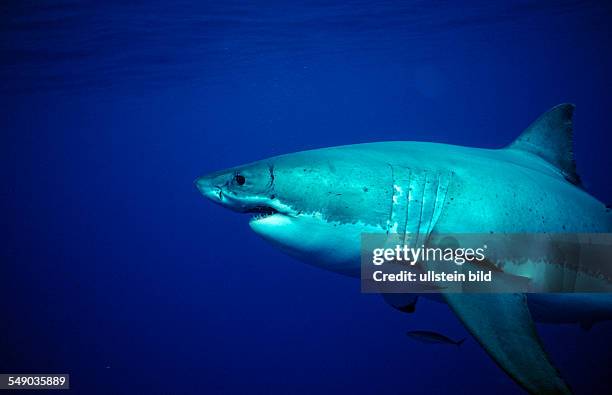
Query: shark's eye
x: 240, y: 180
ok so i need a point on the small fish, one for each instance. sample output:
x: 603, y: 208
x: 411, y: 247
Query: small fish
x: 433, y: 337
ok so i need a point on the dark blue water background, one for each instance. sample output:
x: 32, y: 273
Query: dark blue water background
x: 115, y: 270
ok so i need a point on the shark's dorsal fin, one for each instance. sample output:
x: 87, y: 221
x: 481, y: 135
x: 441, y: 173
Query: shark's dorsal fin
x: 551, y: 138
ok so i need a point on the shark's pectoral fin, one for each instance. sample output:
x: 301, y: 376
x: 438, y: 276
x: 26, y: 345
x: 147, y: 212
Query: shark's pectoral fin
x: 406, y: 303
x: 502, y: 324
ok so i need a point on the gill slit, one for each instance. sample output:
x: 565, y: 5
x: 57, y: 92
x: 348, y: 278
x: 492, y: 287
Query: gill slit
x: 418, y: 232
x: 392, y: 198
x: 407, y: 205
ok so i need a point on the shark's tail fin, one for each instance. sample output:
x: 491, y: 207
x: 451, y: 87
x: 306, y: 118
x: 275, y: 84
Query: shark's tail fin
x: 460, y: 342
x: 551, y: 138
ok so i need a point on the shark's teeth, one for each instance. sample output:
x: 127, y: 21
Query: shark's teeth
x: 261, y: 211
x: 260, y: 217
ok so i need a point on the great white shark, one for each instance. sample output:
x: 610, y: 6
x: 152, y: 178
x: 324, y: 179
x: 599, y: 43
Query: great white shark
x: 316, y: 204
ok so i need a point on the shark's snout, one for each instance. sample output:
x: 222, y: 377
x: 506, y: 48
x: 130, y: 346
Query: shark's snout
x: 208, y: 188
x: 217, y: 189
x: 242, y: 192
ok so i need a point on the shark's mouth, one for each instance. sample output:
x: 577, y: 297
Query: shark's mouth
x: 262, y: 212
x: 270, y: 211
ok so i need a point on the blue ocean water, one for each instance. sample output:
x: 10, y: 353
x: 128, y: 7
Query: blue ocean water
x: 115, y: 269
